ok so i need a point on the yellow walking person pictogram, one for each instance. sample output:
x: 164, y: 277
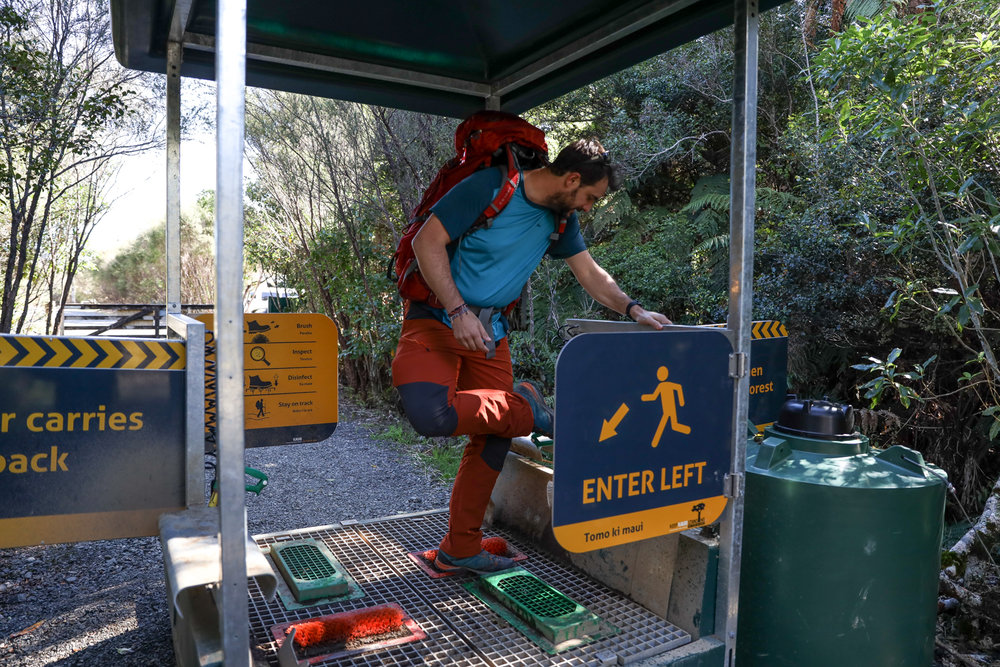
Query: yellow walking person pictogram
x: 666, y: 390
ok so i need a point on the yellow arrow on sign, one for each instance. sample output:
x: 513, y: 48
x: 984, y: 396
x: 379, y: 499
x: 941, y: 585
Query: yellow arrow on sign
x: 135, y: 354
x: 87, y: 352
x: 61, y: 350
x: 35, y: 352
x: 7, y: 352
x: 609, y: 426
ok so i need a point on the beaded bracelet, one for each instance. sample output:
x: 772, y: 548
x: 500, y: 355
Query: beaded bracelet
x: 459, y: 310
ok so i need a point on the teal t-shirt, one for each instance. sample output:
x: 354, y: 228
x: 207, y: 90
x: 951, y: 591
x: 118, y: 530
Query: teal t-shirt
x: 491, y: 265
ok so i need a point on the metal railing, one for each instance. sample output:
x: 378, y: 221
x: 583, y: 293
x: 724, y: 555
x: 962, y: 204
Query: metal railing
x: 144, y: 320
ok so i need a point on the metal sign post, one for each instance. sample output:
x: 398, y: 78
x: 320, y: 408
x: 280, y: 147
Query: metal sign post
x: 741, y: 228
x: 230, y: 62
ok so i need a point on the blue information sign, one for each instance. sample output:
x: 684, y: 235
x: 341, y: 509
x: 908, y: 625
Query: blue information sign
x: 643, y: 430
x: 768, y: 371
x: 91, y: 437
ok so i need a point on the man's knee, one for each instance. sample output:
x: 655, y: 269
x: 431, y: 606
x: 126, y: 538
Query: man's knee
x: 426, y: 406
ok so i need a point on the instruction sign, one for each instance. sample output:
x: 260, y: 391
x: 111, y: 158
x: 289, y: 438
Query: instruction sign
x: 289, y: 377
x: 91, y: 437
x: 643, y: 431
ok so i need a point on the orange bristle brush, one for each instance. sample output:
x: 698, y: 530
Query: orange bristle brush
x: 495, y: 545
x: 348, y: 626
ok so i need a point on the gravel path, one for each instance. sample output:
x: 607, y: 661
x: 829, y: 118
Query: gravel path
x: 105, y: 603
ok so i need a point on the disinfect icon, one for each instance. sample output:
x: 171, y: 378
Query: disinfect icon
x: 666, y: 391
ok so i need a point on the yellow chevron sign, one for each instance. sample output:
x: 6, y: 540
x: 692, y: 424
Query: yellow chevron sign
x: 768, y: 329
x: 761, y: 329
x: 116, y: 353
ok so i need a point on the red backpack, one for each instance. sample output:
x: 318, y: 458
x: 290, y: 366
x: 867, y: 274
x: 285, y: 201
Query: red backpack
x: 484, y: 139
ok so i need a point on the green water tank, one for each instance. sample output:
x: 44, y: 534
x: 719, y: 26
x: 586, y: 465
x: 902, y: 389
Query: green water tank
x: 841, y: 547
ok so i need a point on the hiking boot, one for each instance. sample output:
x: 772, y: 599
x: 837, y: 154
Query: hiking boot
x: 482, y: 563
x: 542, y: 414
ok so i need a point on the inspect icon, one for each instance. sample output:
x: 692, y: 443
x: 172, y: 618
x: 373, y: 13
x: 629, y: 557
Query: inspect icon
x: 257, y: 354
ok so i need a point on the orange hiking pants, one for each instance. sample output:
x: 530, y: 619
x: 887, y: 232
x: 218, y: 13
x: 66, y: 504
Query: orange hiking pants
x: 449, y: 390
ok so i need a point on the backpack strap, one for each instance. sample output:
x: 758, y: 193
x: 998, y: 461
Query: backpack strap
x: 560, y: 228
x: 511, y: 179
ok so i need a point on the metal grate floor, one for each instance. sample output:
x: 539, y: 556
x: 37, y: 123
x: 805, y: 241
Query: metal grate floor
x: 460, y: 629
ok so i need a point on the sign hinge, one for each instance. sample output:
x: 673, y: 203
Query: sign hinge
x: 737, y: 365
x: 733, y: 485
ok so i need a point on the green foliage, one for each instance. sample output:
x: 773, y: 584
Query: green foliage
x: 709, y: 211
x: 908, y: 107
x: 885, y: 80
x: 444, y: 460
x: 889, y: 379
x: 136, y: 273
x: 67, y: 111
x: 651, y: 254
x: 441, y: 455
x: 401, y: 434
x: 535, y: 358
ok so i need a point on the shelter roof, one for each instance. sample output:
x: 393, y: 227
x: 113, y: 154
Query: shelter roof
x: 445, y: 57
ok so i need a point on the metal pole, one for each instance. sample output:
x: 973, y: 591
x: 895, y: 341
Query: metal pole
x: 741, y: 228
x: 193, y: 332
x: 173, y: 236
x: 230, y: 72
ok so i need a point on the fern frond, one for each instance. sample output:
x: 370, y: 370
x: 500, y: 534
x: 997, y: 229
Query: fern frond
x: 863, y: 8
x: 714, y: 200
x: 712, y: 244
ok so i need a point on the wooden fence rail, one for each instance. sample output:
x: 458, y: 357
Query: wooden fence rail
x: 120, y: 319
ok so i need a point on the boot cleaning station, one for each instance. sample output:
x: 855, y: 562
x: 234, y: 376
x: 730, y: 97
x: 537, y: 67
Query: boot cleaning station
x: 626, y: 527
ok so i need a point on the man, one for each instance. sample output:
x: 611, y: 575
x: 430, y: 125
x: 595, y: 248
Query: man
x: 452, y: 366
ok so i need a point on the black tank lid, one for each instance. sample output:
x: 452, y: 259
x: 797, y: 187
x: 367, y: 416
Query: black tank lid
x: 819, y: 419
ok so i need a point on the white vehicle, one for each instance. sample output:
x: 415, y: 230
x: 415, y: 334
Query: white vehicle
x: 270, y: 299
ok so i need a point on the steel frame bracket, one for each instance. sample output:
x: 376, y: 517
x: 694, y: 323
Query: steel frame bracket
x: 733, y: 485
x: 737, y: 365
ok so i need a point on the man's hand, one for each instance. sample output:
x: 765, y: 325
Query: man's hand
x: 469, y: 331
x: 650, y: 318
x: 605, y: 290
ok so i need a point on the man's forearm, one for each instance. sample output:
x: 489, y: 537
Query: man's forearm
x: 598, y: 283
x: 435, y: 269
x: 609, y: 294
x: 431, y: 249
x: 430, y: 245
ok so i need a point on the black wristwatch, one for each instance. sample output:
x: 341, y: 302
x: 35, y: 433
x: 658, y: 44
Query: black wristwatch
x: 628, y: 309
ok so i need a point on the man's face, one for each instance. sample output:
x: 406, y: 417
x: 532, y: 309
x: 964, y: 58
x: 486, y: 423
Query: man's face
x: 576, y: 197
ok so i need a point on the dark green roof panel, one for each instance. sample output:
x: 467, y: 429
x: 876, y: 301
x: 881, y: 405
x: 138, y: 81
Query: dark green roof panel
x: 437, y: 56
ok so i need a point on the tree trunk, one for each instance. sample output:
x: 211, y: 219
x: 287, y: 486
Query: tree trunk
x: 962, y: 577
x: 981, y: 537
